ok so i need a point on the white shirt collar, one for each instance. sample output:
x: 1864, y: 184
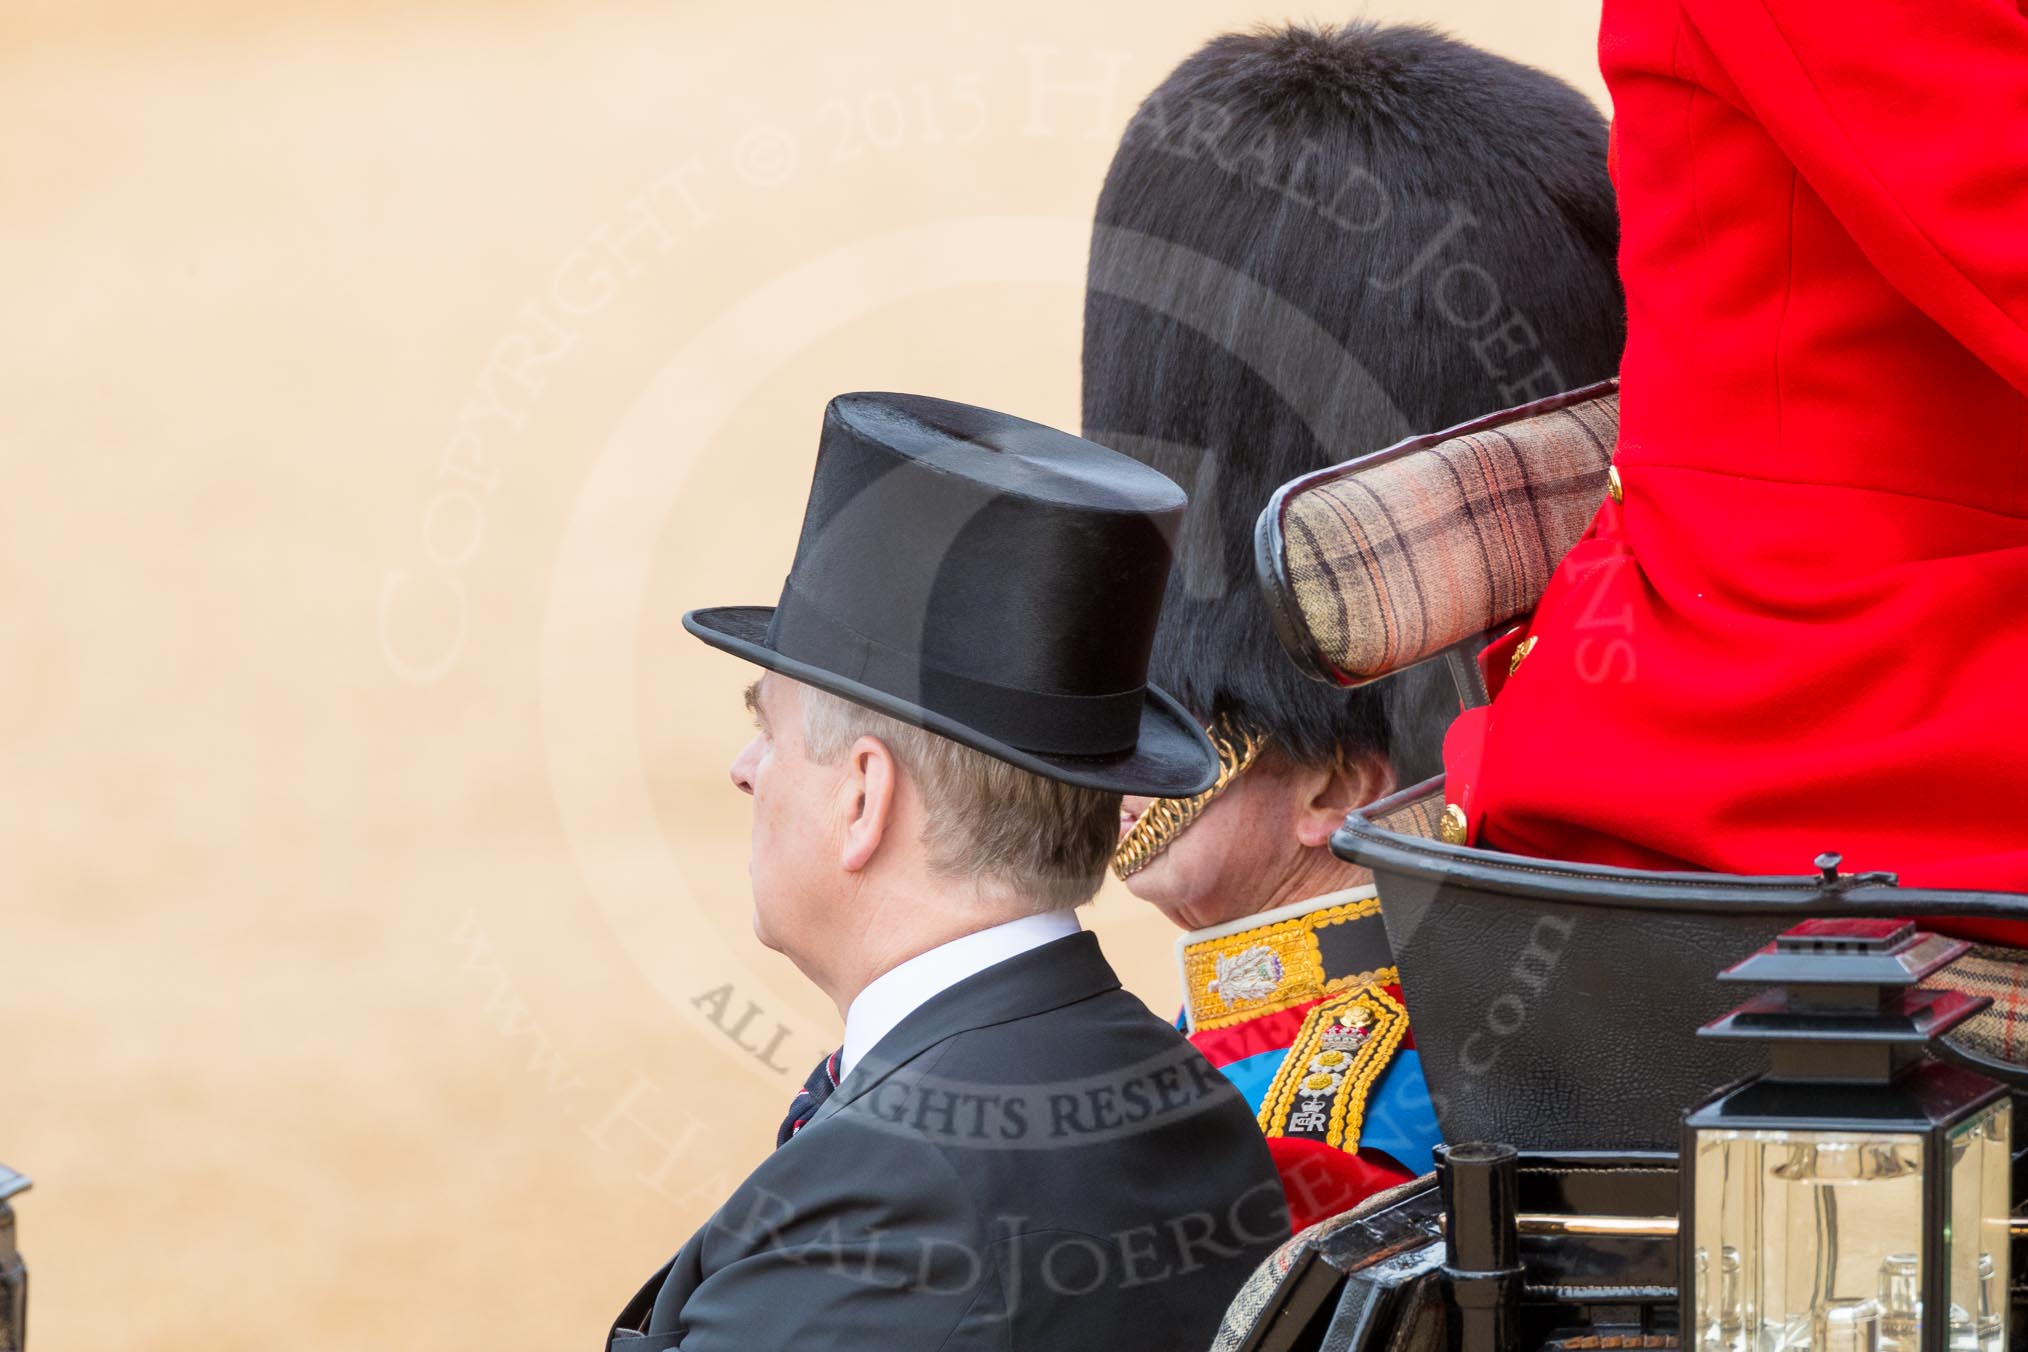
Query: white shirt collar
x: 900, y: 991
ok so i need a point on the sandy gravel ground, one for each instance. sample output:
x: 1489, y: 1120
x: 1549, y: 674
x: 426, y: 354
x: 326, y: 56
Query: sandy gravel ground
x: 381, y: 382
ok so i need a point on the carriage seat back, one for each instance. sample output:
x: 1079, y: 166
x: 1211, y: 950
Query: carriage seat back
x: 1556, y: 1005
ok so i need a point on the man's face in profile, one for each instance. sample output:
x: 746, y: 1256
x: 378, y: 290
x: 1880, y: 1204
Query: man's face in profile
x: 793, y: 861
x: 1262, y: 841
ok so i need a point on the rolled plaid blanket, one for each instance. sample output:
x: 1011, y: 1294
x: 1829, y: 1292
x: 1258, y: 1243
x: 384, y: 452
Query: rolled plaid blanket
x: 2001, y: 1030
x: 1392, y: 558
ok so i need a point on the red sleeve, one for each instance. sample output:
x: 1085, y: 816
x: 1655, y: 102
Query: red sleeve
x: 1321, y: 1180
x: 1910, y: 121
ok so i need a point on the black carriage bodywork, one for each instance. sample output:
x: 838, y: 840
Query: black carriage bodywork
x: 1613, y: 971
x: 1498, y: 1247
x: 1601, y: 978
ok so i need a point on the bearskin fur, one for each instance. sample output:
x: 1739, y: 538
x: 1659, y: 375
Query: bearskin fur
x: 1311, y: 244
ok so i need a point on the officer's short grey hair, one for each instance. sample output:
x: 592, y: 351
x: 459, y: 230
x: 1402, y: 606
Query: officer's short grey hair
x: 1036, y: 838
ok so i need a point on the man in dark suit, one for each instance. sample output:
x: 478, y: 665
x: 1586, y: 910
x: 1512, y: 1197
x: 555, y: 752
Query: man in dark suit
x: 1008, y: 1151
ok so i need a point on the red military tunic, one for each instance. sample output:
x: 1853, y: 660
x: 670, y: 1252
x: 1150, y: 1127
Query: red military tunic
x: 1805, y: 625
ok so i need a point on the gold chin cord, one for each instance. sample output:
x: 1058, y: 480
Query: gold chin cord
x: 1166, y: 817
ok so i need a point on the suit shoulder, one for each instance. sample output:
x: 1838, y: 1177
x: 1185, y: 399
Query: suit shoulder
x: 1105, y: 1029
x: 855, y: 1167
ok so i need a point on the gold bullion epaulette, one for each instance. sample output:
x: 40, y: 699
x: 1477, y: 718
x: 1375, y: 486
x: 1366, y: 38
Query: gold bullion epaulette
x: 1320, y: 1092
x: 1283, y: 958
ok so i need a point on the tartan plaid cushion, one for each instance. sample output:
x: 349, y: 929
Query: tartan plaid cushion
x: 2000, y: 1030
x: 1396, y: 557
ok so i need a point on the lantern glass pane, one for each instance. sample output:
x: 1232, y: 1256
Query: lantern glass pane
x: 1808, y: 1241
x: 1976, y: 1244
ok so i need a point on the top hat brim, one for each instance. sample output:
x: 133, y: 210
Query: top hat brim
x: 1172, y: 758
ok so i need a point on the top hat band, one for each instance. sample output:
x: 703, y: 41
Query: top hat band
x: 1032, y: 720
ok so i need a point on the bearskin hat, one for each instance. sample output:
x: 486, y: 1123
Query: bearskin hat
x: 1311, y: 244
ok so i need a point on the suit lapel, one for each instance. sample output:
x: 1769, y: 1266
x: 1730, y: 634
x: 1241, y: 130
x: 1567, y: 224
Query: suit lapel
x: 1058, y: 973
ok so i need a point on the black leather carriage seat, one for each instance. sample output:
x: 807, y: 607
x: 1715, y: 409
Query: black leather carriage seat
x: 1556, y: 1005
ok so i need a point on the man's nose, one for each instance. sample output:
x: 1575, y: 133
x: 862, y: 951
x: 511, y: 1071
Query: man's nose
x: 743, y: 766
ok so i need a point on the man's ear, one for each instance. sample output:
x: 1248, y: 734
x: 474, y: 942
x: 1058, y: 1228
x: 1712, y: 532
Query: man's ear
x: 868, y: 798
x: 1349, y: 783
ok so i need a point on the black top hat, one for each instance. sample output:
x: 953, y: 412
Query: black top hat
x: 989, y: 579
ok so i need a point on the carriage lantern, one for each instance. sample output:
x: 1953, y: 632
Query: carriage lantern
x: 1854, y: 1197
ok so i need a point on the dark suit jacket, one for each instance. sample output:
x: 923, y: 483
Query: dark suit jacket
x: 1031, y: 1160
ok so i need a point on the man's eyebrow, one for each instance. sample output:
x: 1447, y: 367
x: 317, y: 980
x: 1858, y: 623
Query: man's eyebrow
x: 753, y: 704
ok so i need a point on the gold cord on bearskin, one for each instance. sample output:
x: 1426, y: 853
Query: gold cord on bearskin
x: 1166, y: 817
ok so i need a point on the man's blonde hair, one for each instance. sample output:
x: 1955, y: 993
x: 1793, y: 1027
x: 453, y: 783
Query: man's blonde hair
x: 1034, y: 837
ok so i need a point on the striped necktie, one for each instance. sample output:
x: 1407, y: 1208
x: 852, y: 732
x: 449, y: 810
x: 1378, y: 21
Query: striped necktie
x: 810, y: 1097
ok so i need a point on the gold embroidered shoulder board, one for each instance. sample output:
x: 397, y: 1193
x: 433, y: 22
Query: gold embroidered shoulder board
x: 1321, y: 1089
